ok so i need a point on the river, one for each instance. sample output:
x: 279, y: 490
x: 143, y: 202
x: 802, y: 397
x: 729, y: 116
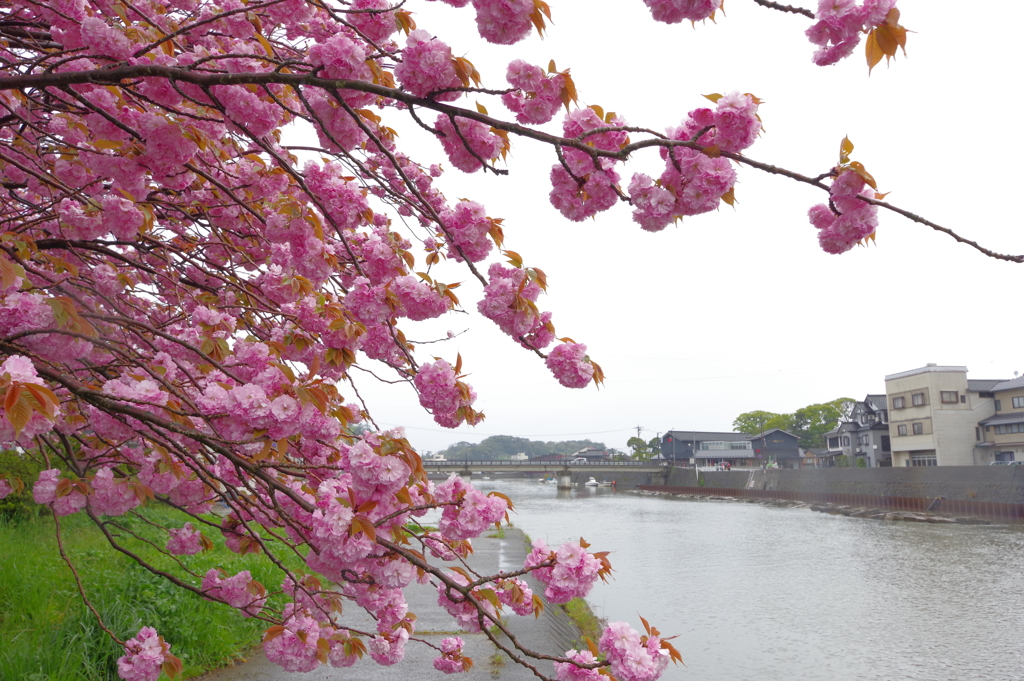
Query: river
x: 766, y: 594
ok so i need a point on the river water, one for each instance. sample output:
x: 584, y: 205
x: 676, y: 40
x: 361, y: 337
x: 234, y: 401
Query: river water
x: 766, y: 594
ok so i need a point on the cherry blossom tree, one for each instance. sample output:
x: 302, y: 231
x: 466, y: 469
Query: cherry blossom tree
x: 189, y: 302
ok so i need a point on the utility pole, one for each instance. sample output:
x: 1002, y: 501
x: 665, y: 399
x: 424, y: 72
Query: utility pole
x: 638, y: 429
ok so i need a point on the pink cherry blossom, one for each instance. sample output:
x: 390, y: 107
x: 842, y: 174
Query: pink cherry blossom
x: 184, y: 541
x: 427, y: 66
x: 377, y: 26
x: 239, y: 591
x: 144, y: 654
x: 632, y: 659
x: 503, y: 22
x: 111, y: 495
x: 570, y: 365
x: 567, y: 671
x: 482, y: 143
x: 295, y: 648
x: 674, y: 11
x: 450, y: 661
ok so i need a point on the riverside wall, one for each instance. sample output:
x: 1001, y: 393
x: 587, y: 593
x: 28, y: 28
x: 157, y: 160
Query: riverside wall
x: 994, y: 484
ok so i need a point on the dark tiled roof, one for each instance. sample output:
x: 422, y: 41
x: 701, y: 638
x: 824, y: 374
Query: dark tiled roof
x: 876, y: 402
x: 999, y: 419
x: 1009, y: 385
x: 706, y: 436
x: 983, y: 385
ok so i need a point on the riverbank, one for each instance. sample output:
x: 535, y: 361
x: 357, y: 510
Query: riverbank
x: 552, y: 633
x: 47, y: 632
x: 868, y: 512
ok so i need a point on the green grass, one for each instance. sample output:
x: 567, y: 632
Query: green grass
x: 590, y: 624
x: 47, y: 633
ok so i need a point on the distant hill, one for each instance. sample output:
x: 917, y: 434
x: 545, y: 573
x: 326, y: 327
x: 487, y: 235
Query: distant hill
x: 498, y: 447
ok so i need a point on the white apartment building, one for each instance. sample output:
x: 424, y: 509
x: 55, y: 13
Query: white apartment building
x: 934, y: 414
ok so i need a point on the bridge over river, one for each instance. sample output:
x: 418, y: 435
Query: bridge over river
x: 561, y: 470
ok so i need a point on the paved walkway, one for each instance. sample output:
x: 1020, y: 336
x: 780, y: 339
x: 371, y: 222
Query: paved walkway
x: 553, y: 633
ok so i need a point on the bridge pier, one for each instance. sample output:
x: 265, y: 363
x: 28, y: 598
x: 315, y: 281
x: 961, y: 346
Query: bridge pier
x: 466, y: 475
x: 564, y: 480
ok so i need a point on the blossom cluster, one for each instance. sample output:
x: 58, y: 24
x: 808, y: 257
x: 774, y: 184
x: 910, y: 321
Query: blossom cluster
x: 469, y: 146
x: 572, y: 574
x: 451, y: 660
x: 695, y: 181
x: 448, y: 399
x: 145, y: 653
x: 427, y: 67
x: 847, y: 220
x: 537, y: 96
x: 839, y: 26
x: 509, y: 301
x: 586, y: 185
x: 632, y: 657
x: 571, y: 365
x: 674, y: 11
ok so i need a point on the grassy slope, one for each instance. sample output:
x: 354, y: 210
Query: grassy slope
x: 47, y: 634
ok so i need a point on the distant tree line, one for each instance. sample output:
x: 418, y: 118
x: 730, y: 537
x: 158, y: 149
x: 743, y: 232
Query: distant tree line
x: 809, y: 423
x: 499, y: 447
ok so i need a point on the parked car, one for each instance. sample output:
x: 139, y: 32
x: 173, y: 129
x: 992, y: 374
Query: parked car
x: 578, y: 459
x: 1007, y: 463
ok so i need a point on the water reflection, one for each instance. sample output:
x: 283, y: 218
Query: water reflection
x: 767, y: 593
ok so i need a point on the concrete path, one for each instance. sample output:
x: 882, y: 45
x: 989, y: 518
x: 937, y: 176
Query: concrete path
x: 553, y: 633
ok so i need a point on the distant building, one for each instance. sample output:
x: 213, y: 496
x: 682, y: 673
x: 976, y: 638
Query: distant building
x: 1001, y: 436
x: 864, y: 433
x: 936, y: 416
x: 780, y: 447
x: 592, y: 454
x: 680, y: 445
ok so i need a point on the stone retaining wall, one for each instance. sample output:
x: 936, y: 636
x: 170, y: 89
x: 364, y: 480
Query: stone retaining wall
x: 998, y: 484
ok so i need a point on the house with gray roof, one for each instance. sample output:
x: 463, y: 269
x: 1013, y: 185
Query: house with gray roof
x: 1001, y: 436
x: 863, y: 434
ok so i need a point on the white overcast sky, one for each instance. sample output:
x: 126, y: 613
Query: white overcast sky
x: 739, y: 309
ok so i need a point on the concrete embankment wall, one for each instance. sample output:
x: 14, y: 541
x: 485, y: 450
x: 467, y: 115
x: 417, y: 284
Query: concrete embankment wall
x: 989, y: 484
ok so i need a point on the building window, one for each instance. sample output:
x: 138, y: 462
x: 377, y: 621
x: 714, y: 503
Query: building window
x: 901, y: 430
x: 918, y: 428
x: 977, y: 433
x: 886, y: 446
x: 846, y: 440
x: 949, y: 396
x: 917, y: 399
x: 963, y: 399
x: 999, y: 405
x: 1018, y: 402
x: 863, y: 439
x: 833, y: 443
x: 899, y: 403
x: 923, y: 460
x: 1012, y: 428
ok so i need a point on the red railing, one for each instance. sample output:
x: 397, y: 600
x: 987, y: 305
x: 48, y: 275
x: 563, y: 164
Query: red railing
x: 987, y: 509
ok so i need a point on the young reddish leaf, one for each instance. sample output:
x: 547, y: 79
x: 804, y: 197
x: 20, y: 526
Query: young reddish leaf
x: 713, y: 97
x: 647, y: 626
x: 502, y: 496
x: 730, y: 196
x: 171, y: 665
x: 481, y: 108
x: 845, y: 149
x: 538, y: 606
x: 273, y: 632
